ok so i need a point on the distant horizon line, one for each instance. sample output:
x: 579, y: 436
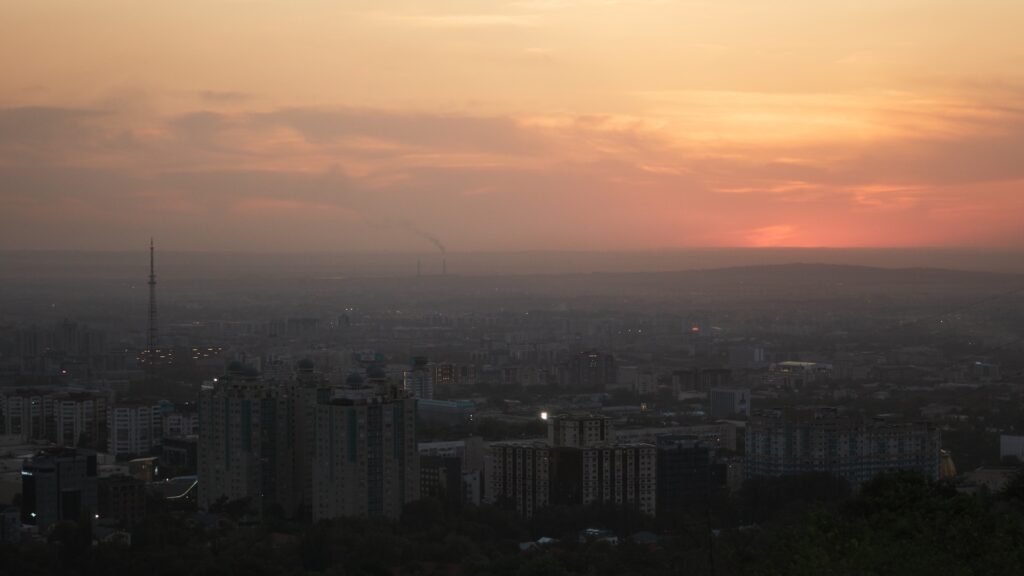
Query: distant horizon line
x: 999, y: 249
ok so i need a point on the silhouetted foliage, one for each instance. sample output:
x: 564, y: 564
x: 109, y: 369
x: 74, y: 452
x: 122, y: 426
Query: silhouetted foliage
x: 762, y: 499
x: 896, y: 524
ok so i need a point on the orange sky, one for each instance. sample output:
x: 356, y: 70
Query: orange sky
x: 510, y: 125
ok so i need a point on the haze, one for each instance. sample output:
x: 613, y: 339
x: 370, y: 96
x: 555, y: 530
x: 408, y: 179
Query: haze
x: 495, y: 126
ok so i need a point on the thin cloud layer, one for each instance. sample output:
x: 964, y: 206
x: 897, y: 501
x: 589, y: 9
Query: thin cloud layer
x: 568, y: 124
x: 299, y: 178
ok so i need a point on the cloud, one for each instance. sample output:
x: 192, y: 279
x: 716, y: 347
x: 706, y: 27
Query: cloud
x: 457, y: 20
x: 224, y: 96
x: 435, y: 131
x: 31, y: 134
x: 35, y: 123
x: 767, y: 236
x: 317, y: 178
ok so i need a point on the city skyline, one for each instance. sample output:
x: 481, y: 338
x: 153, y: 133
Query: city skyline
x: 511, y: 287
x: 536, y: 125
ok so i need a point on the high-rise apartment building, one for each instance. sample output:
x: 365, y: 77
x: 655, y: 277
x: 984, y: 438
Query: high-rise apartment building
x: 80, y: 419
x: 26, y: 413
x: 447, y: 376
x: 136, y: 428
x: 240, y: 447
x: 298, y: 399
x: 849, y: 446
x: 592, y: 370
x: 366, y: 460
x: 520, y: 476
x: 181, y: 422
x: 69, y: 419
x: 258, y: 438
x: 419, y: 380
x: 579, y: 465
x: 580, y: 430
x: 471, y: 455
x: 620, y: 474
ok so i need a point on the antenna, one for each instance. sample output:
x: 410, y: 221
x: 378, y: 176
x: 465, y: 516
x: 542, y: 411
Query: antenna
x: 151, y: 353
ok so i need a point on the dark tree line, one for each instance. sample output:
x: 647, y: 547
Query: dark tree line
x: 897, y: 524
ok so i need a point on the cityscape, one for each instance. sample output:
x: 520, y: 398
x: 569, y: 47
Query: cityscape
x: 511, y: 288
x: 610, y: 412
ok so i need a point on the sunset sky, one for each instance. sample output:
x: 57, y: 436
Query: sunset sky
x: 332, y: 125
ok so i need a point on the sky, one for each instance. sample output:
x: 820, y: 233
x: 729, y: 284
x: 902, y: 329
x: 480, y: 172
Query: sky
x: 488, y: 125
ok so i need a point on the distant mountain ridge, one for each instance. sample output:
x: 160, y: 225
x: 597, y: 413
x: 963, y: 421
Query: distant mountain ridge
x: 19, y: 265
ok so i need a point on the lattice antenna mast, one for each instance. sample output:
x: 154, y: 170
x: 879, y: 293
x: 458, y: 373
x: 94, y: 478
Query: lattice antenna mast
x: 151, y: 333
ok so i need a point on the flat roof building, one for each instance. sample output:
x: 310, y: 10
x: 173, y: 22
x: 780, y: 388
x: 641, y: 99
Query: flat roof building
x: 849, y: 446
x: 367, y: 461
x: 58, y: 484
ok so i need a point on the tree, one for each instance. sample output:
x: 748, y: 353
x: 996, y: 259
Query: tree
x: 542, y: 565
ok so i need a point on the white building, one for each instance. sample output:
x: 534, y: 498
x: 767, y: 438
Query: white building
x: 135, y: 428
x: 24, y: 414
x: 178, y: 424
x: 1011, y: 446
x: 80, y: 418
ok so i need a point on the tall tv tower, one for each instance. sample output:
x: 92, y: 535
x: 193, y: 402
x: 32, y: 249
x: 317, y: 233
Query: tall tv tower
x: 151, y: 354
